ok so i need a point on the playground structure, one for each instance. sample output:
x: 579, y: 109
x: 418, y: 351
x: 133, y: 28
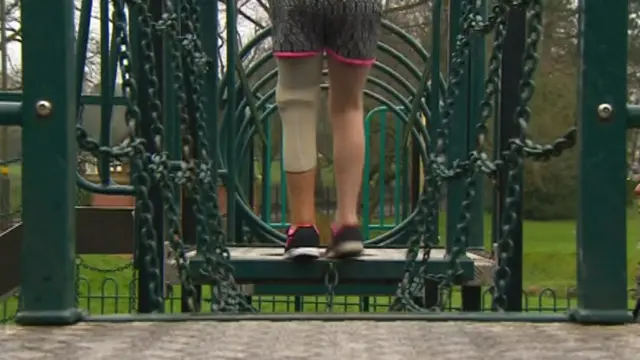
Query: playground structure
x: 191, y: 132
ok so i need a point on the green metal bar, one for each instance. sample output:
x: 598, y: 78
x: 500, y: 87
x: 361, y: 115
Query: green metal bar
x: 457, y: 141
x: 209, y: 31
x: 250, y: 97
x: 472, y: 295
x: 172, y: 142
x: 48, y: 272
x: 82, y: 44
x: 283, y: 188
x: 602, y: 227
x: 134, y: 38
x: 382, y: 120
x: 434, y: 121
x: 106, y: 92
x: 406, y: 180
x: 10, y: 113
x: 475, y: 239
x: 398, y: 170
x: 113, y: 71
x: 266, y: 172
x: 10, y: 96
x: 513, y: 65
x: 633, y: 116
x: 232, y: 58
x: 366, y: 189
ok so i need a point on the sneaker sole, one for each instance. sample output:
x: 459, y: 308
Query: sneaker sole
x: 346, y: 250
x: 302, y: 253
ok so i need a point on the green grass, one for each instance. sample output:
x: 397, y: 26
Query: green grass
x: 15, y: 171
x: 15, y: 188
x: 549, y: 262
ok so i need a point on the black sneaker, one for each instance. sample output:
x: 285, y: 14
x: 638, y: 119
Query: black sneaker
x: 302, y: 243
x: 346, y: 242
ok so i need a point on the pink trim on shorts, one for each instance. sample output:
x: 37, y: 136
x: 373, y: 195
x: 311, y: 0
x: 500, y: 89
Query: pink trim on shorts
x: 360, y: 62
x: 290, y: 54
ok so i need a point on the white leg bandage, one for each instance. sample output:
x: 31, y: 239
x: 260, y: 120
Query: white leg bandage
x: 298, y: 101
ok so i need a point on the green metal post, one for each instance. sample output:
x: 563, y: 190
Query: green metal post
x: 601, y: 230
x: 48, y: 273
x: 366, y: 174
x: 472, y: 295
x: 283, y: 190
x: 145, y: 296
x: 512, y: 70
x: 189, y: 222
x: 435, y: 121
x: 208, y: 32
x: 476, y: 92
x: 266, y: 173
x: 398, y: 171
x: 82, y: 43
x: 382, y: 160
x: 457, y: 141
x: 106, y: 92
x: 232, y: 58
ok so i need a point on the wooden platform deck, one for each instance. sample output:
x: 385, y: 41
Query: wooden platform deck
x: 376, y: 265
x: 357, y: 340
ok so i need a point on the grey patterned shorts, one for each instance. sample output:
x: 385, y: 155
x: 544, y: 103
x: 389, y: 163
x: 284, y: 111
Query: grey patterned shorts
x: 348, y: 30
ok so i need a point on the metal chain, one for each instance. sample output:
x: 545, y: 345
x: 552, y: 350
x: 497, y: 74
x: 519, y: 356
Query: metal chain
x: 423, y: 236
x: 331, y: 280
x: 85, y: 143
x: 140, y: 164
x: 422, y: 233
x: 514, y: 158
x: 226, y: 293
x: 492, y: 86
x: 160, y: 161
x: 82, y: 264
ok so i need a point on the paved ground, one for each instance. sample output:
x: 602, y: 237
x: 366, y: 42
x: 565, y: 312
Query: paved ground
x: 320, y: 340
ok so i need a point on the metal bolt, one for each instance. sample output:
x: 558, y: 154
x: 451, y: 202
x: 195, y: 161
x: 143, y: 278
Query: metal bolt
x: 43, y: 108
x: 605, y: 111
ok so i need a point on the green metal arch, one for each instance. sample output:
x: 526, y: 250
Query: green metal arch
x: 266, y: 230
x: 249, y: 124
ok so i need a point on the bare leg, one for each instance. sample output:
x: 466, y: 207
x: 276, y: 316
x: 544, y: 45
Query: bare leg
x: 346, y: 110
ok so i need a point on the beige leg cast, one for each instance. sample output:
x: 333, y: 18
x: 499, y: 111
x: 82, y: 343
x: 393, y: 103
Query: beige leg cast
x: 298, y: 101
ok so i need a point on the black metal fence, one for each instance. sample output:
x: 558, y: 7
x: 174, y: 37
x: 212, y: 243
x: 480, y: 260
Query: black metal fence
x: 108, y: 297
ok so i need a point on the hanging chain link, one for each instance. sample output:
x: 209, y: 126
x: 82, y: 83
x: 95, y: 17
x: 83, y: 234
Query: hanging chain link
x: 514, y: 158
x: 423, y: 234
x: 226, y: 293
x: 141, y: 179
x: 82, y: 264
x: 331, y: 281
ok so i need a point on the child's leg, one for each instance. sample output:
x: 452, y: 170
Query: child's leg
x: 351, y: 43
x: 297, y: 45
x: 298, y: 100
x: 347, y: 118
